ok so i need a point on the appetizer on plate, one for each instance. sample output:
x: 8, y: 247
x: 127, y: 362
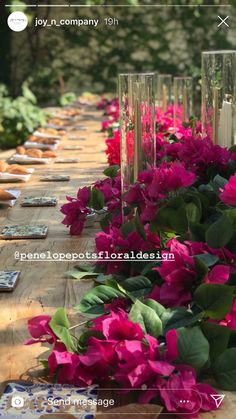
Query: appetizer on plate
x: 56, y: 121
x: 35, y: 152
x: 49, y: 141
x: 51, y: 131
x: 15, y: 169
x: 6, y: 196
x: 9, y: 196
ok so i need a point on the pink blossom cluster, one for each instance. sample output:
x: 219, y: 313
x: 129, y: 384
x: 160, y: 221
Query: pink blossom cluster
x: 114, y: 241
x: 155, y: 184
x: 180, y: 275
x: 228, y: 193
x: 77, y: 209
x: 111, y: 111
x: 124, y: 354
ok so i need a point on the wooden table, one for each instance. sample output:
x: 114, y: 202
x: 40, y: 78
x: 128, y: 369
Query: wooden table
x: 43, y: 287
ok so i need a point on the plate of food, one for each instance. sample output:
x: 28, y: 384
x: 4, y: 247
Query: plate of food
x: 8, y: 197
x: 41, y: 143
x: 14, y: 173
x: 32, y: 156
x: 49, y: 133
x: 56, y: 123
x: 70, y: 113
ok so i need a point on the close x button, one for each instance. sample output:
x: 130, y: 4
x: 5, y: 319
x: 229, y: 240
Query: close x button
x: 223, y: 21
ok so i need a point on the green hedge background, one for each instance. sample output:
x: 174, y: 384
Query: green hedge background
x: 59, y: 59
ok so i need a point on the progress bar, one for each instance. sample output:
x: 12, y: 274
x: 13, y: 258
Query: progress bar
x: 118, y: 5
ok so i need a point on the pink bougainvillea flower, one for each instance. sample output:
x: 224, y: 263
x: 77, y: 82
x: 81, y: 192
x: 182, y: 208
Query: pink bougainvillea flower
x: 75, y: 215
x: 197, y: 153
x: 171, y: 345
x: 69, y: 369
x: 40, y: 330
x: 116, y: 326
x: 76, y: 211
x: 184, y: 386
x: 197, y: 248
x: 228, y: 194
x: 113, y: 148
x: 120, y: 329
x: 168, y: 177
x: 83, y: 196
x: 219, y: 274
x: 179, y: 276
x: 114, y: 241
x: 230, y: 318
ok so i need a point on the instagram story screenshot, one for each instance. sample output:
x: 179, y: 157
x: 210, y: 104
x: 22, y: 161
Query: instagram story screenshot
x: 118, y: 209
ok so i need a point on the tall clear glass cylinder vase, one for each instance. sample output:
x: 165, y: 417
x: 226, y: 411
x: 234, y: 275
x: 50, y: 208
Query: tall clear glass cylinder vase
x: 219, y: 96
x: 137, y: 125
x: 183, y: 99
x: 164, y: 91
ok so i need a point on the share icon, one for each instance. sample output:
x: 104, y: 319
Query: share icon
x: 218, y: 398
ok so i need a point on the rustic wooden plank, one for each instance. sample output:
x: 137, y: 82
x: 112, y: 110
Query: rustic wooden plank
x: 43, y: 286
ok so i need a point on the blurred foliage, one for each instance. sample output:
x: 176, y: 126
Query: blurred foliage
x: 18, y: 117
x: 56, y: 60
x: 67, y: 98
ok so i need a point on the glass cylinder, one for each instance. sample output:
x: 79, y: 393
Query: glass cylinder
x: 219, y: 96
x: 164, y: 91
x: 137, y: 125
x: 183, y: 99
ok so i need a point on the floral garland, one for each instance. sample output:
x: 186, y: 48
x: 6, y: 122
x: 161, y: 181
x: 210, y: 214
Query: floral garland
x: 156, y: 325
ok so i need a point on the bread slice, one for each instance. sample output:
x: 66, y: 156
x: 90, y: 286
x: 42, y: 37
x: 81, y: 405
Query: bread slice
x: 6, y: 196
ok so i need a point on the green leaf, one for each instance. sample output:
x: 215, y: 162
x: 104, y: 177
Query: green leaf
x: 208, y: 259
x: 44, y: 363
x: 217, y: 336
x: 105, y: 221
x: 86, y: 267
x: 139, y: 226
x: 60, y: 325
x: 171, y: 217
x: 147, y: 318
x: 224, y: 370
x: 128, y: 227
x: 96, y: 199
x: 198, y: 231
x: 102, y: 279
x: 85, y: 336
x: 192, y: 212
x: 218, y: 183
x: 81, y: 275
x: 157, y: 307
x: 138, y: 286
x: 28, y: 94
x: 193, y: 347
x: 111, y: 171
x: 219, y: 233
x: 92, y: 304
x: 149, y: 267
x: 201, y: 268
x: 231, y: 214
x: 215, y: 299
x: 178, y: 317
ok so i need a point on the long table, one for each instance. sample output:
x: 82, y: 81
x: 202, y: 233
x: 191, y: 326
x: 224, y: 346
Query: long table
x: 43, y: 286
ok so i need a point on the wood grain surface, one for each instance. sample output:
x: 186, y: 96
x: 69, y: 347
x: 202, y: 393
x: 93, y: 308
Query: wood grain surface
x: 43, y: 286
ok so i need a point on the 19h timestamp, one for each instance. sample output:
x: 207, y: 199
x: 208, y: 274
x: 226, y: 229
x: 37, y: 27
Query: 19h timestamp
x: 111, y: 21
